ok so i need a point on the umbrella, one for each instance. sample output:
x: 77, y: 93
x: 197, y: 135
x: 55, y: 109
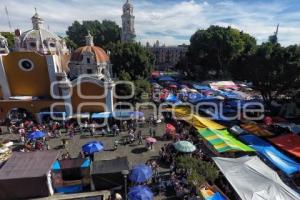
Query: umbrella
x: 36, y: 135
x: 151, y: 140
x: 140, y: 193
x: 193, y: 90
x: 184, y: 146
x: 140, y: 173
x: 136, y: 114
x: 170, y: 129
x: 21, y: 131
x: 155, y: 74
x: 173, y: 86
x: 165, y: 78
x: 184, y: 87
x: 92, y: 147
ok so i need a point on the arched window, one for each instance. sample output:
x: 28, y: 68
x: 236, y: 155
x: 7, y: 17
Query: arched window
x: 32, y: 44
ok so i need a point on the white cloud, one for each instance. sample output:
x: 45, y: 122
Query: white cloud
x: 172, y: 22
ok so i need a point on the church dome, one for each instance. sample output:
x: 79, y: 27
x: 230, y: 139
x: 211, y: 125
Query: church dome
x: 40, y: 39
x: 41, y: 34
x: 99, y: 54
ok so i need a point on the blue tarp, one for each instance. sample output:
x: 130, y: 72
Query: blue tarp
x: 201, y: 87
x: 230, y: 95
x: 69, y: 189
x: 119, y: 114
x: 103, y: 115
x: 216, y: 196
x: 197, y: 97
x: 166, y: 78
x: 242, y: 103
x: 56, y: 165
x: 86, y: 163
x: 266, y: 150
x: 57, y: 115
x: 172, y: 98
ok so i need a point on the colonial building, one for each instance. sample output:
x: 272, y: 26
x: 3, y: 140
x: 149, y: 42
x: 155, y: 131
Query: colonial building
x: 89, y: 60
x: 167, y: 56
x: 128, y: 31
x: 34, y: 76
x: 39, y: 39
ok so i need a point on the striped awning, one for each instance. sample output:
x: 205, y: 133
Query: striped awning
x: 223, y: 141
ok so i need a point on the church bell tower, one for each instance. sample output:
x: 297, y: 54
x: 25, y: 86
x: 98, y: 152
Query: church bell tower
x: 128, y: 31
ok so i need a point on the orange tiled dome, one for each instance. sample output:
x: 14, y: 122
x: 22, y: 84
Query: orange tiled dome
x: 100, y: 54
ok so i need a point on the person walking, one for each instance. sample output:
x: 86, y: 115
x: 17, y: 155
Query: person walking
x: 140, y: 137
x: 93, y: 129
x: 116, y: 143
x: 154, y: 133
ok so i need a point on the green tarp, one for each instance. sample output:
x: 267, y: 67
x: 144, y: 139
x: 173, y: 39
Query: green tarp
x: 223, y: 141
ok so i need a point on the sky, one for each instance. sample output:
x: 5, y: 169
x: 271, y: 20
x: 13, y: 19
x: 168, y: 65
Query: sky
x: 170, y: 21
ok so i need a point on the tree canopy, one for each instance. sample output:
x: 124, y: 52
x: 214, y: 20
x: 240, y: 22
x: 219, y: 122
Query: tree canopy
x: 213, y: 50
x: 103, y: 32
x: 222, y: 53
x: 10, y: 38
x: 273, y: 69
x: 131, y: 62
x: 132, y: 58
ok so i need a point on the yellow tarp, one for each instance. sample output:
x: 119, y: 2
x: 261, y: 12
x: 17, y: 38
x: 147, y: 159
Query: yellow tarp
x: 197, y: 121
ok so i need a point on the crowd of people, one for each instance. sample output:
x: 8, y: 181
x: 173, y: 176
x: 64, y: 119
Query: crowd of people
x: 177, y: 180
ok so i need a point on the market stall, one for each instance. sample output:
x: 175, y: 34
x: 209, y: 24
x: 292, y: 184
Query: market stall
x: 27, y: 175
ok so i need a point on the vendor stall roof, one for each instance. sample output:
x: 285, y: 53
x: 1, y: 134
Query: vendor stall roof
x: 26, y: 165
x: 183, y: 113
x: 265, y: 149
x: 256, y: 129
x: 223, y: 141
x: 290, y: 143
x: 253, y: 179
x: 118, y: 114
x: 110, y: 166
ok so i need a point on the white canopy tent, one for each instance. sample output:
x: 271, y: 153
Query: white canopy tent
x: 252, y: 179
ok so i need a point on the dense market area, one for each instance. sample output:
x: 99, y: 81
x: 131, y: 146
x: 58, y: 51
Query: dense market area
x: 93, y: 111
x: 201, y: 155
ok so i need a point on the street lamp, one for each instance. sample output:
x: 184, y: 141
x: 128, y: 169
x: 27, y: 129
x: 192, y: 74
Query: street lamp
x: 125, y: 174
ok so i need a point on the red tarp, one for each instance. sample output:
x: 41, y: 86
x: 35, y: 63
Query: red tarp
x: 289, y: 143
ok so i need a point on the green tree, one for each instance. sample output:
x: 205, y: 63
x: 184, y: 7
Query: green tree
x: 132, y: 62
x: 133, y: 58
x: 273, y: 69
x: 70, y: 44
x: 214, y: 49
x: 142, y: 89
x: 199, y: 171
x: 10, y: 38
x: 103, y: 32
x: 124, y: 89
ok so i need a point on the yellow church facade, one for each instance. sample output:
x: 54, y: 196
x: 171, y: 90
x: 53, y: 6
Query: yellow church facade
x: 36, y: 75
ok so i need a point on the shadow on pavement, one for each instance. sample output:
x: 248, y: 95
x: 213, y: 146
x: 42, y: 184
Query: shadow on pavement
x: 139, y: 150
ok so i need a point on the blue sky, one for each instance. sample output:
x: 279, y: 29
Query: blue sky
x: 170, y: 21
